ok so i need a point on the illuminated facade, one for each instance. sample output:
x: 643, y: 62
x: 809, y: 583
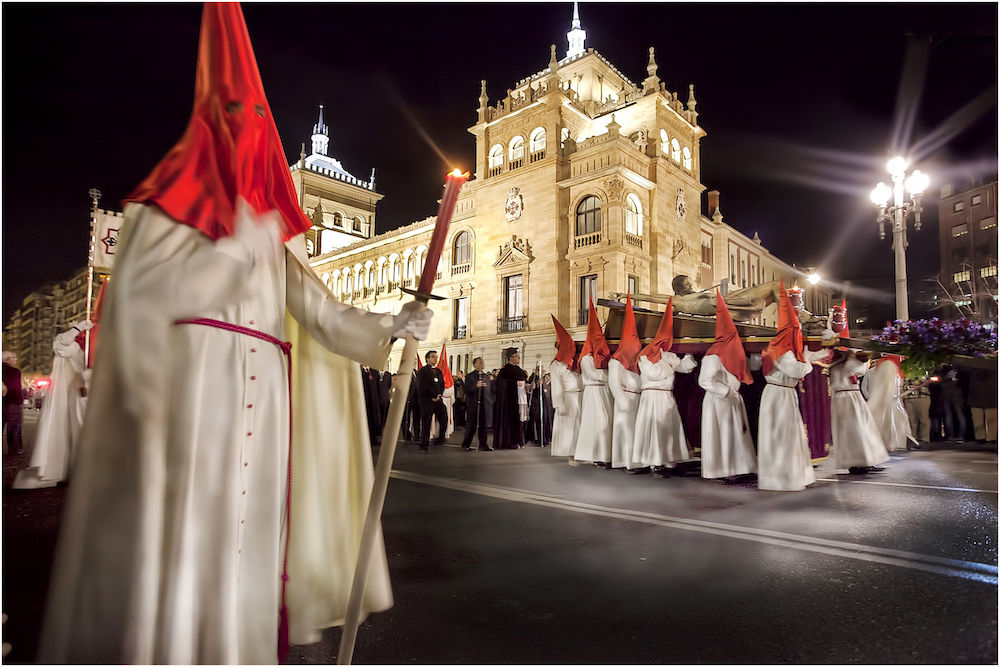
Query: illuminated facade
x: 586, y: 184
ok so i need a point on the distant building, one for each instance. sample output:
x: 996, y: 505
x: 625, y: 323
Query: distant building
x: 586, y: 184
x: 968, y: 237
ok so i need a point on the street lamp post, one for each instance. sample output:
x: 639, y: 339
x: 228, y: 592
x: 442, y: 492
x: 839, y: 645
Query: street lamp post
x: 896, y: 215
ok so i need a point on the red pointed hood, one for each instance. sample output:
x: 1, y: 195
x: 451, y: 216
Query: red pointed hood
x: 595, y: 345
x: 728, y: 346
x: 664, y: 338
x: 442, y: 366
x: 629, y: 344
x: 566, y: 345
x: 231, y: 147
x: 789, y: 336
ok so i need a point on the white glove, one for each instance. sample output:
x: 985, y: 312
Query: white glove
x: 562, y: 412
x: 87, y: 374
x: 259, y: 235
x: 829, y: 334
x: 414, y: 319
x: 84, y: 325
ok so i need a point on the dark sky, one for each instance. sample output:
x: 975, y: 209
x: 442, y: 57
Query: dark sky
x: 799, y: 102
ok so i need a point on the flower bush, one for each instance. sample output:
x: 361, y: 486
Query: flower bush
x: 928, y: 344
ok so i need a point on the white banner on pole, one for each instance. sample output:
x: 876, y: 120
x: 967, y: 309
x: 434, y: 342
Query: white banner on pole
x: 107, y: 224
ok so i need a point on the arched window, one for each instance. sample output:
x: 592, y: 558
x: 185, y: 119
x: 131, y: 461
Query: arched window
x: 383, y: 271
x: 461, y: 253
x: 357, y: 224
x: 516, y: 148
x: 411, y: 266
x: 335, y: 284
x: 326, y: 279
x: 394, y: 267
x: 369, y: 274
x: 537, y: 140
x: 675, y: 150
x: 588, y: 216
x: 633, y: 215
x: 338, y: 219
x: 664, y: 142
x: 348, y: 282
x: 686, y: 162
x: 496, y: 157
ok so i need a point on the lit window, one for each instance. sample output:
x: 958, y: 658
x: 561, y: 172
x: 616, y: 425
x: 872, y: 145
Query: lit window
x: 675, y: 150
x: 987, y: 271
x: 959, y: 206
x: 588, y: 216
x: 664, y: 142
x: 496, y: 157
x: 977, y: 200
x: 961, y: 277
x: 588, y: 291
x: 537, y: 140
x: 687, y: 158
x: 988, y: 223
x: 357, y: 224
x: 512, y: 306
x: 960, y: 230
x: 338, y: 219
x: 516, y: 148
x: 633, y: 284
x: 383, y: 273
x: 633, y: 216
x: 461, y: 252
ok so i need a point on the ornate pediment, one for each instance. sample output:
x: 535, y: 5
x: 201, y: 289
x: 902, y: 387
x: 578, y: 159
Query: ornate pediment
x: 514, y: 251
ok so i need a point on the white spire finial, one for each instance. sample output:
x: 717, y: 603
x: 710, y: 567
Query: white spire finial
x: 577, y: 36
x: 321, y: 135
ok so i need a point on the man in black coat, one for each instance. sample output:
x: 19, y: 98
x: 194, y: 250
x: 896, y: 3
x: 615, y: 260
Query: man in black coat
x: 508, y: 425
x: 430, y: 386
x: 479, y: 404
x: 13, y: 402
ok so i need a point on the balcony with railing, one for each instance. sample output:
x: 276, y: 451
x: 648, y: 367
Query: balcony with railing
x: 356, y: 295
x: 393, y: 285
x: 460, y: 332
x: 380, y: 289
x: 509, y: 324
x: 516, y: 162
x: 460, y: 269
x: 369, y: 292
x: 633, y: 240
x: 587, y: 240
x: 495, y: 171
x: 536, y: 156
x: 407, y: 282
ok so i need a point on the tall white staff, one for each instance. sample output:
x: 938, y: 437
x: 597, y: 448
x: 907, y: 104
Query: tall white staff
x: 390, y: 434
x: 95, y: 196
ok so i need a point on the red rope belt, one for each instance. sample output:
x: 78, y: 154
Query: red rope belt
x: 286, y: 349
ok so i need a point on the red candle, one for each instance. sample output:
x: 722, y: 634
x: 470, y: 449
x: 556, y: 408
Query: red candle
x: 451, y: 188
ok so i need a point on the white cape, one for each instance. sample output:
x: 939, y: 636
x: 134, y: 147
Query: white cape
x: 62, y: 418
x: 594, y: 440
x: 726, y: 443
x: 173, y: 536
x: 783, y: 458
x: 659, y: 430
x: 883, y: 387
x: 625, y: 387
x: 567, y: 391
x: 856, y: 439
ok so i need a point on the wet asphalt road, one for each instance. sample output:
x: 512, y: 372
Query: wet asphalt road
x: 516, y: 557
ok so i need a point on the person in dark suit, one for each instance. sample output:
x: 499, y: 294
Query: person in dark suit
x: 430, y: 385
x: 479, y: 404
x: 13, y: 402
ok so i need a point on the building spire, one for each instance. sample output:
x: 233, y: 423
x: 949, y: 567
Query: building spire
x: 577, y: 36
x: 321, y: 135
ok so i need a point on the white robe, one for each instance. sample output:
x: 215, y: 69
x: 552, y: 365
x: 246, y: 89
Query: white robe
x: 594, y: 440
x: 726, y: 442
x: 567, y: 391
x: 448, y: 399
x: 856, y: 440
x: 62, y: 418
x: 183, y: 459
x: 783, y: 458
x: 625, y: 387
x: 883, y: 387
x: 659, y: 438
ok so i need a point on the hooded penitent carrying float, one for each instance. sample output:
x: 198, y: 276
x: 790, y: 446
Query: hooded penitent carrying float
x: 659, y: 431
x: 567, y: 391
x: 624, y: 384
x: 594, y: 441
x: 193, y: 522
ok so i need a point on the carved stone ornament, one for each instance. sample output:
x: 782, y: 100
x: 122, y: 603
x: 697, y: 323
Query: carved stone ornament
x: 681, y: 208
x: 513, y: 251
x: 514, y: 205
x: 615, y: 187
x: 309, y: 246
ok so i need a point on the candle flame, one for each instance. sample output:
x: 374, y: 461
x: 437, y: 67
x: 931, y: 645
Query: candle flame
x: 457, y: 173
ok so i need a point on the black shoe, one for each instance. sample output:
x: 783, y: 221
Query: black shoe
x: 661, y: 472
x: 439, y: 441
x: 857, y: 470
x: 636, y: 471
x: 875, y: 469
x: 466, y: 449
x: 485, y: 449
x: 425, y: 450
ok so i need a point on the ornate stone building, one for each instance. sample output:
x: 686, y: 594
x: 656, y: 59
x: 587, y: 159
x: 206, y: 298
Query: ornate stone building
x: 586, y: 184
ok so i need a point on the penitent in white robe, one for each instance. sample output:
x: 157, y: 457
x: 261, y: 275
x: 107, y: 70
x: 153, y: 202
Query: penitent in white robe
x: 62, y: 418
x: 173, y: 537
x: 726, y: 443
x: 594, y: 440
x: 625, y: 387
x: 856, y: 440
x: 783, y: 459
x: 659, y: 438
x: 883, y: 386
x: 567, y: 391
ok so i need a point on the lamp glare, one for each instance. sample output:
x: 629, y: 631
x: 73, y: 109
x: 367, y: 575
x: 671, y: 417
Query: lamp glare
x: 917, y: 183
x: 897, y: 165
x: 880, y: 195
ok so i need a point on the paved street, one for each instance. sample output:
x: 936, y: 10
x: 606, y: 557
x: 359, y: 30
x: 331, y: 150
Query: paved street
x: 517, y: 557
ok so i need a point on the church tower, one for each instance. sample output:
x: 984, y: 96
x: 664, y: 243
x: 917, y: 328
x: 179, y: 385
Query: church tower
x: 577, y: 36
x: 341, y: 206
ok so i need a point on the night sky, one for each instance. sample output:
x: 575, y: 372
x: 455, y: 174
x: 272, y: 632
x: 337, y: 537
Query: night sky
x: 799, y: 102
